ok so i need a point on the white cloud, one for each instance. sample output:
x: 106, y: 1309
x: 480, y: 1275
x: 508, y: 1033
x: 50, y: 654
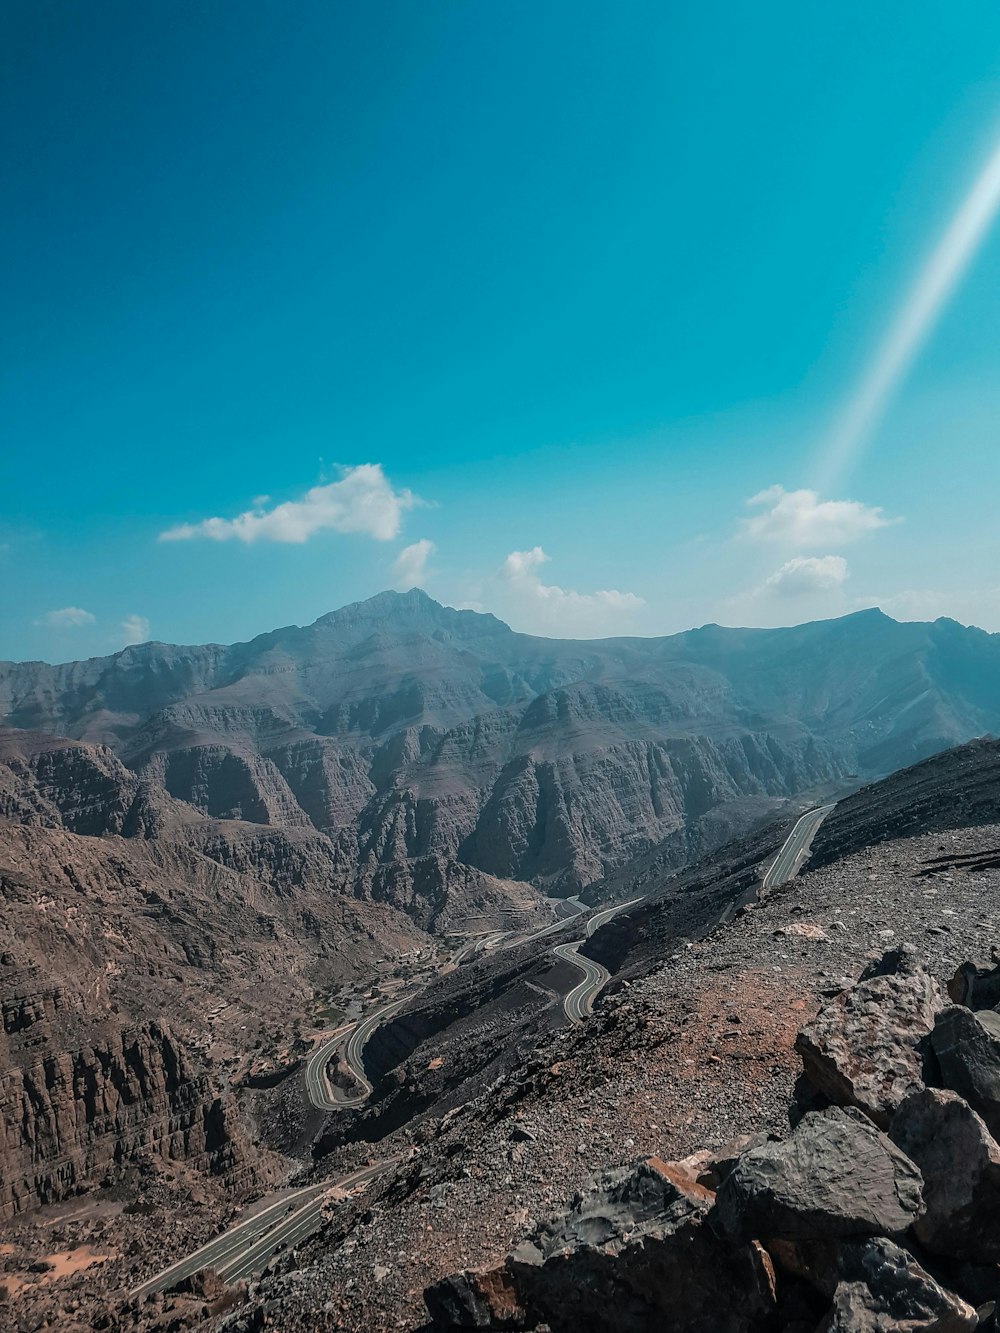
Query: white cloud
x: 135, y: 629
x: 970, y: 605
x: 545, y: 608
x: 410, y: 566
x: 67, y: 617
x: 363, y: 500
x: 801, y: 518
x: 807, y: 574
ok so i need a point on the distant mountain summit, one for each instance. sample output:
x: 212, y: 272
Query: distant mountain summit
x: 414, y: 609
x: 405, y: 729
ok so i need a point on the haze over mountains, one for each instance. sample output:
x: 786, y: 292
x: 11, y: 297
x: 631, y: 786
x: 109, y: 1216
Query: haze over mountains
x: 405, y: 730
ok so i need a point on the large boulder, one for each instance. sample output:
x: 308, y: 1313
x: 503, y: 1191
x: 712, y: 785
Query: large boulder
x: 868, y: 1046
x: 835, y: 1176
x: 883, y: 1287
x: 967, y: 1046
x: 976, y: 985
x: 486, y: 1299
x: 960, y: 1163
x: 634, y: 1252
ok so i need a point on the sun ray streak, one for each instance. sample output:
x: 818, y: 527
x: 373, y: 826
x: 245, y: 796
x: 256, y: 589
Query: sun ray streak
x: 942, y: 272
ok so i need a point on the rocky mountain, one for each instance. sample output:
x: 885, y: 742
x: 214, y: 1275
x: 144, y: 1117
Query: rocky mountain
x: 150, y: 954
x: 783, y: 1117
x: 523, y: 1159
x: 403, y: 730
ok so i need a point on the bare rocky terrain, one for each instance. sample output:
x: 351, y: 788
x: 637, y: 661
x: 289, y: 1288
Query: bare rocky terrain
x: 234, y: 851
x: 696, y: 1053
x: 687, y: 1051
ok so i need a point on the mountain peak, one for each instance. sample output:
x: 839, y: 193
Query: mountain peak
x: 413, y: 609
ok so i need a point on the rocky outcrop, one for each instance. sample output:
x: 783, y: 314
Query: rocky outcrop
x: 976, y: 985
x: 644, y: 1236
x: 881, y: 1286
x: 959, y: 1161
x: 868, y: 1047
x: 55, y: 783
x: 967, y: 1046
x: 836, y: 1176
x: 72, y: 1114
x: 840, y: 1226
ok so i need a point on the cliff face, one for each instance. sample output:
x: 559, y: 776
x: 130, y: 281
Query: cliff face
x: 148, y: 951
x: 81, y: 1099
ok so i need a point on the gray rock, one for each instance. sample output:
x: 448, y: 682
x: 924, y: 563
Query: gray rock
x: 835, y: 1176
x: 960, y: 1163
x: 633, y: 1253
x: 486, y: 1299
x: 867, y: 1046
x: 882, y: 1287
x: 967, y: 1046
x: 976, y: 985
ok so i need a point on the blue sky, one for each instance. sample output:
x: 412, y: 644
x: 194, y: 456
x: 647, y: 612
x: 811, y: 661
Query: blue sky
x: 523, y: 302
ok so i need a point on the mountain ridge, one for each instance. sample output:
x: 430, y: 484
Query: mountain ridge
x: 402, y: 728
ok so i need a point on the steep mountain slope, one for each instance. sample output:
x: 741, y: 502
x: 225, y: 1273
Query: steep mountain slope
x: 404, y: 729
x: 148, y: 954
x: 498, y: 1117
x: 959, y: 788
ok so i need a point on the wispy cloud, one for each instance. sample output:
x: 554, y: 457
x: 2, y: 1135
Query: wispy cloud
x: 67, y: 617
x: 362, y: 501
x: 801, y: 518
x: 546, y: 608
x: 806, y: 574
x: 969, y: 603
x: 135, y: 629
x: 410, y: 566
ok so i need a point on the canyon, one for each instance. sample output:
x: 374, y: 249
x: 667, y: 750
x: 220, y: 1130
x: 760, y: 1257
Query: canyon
x: 210, y: 857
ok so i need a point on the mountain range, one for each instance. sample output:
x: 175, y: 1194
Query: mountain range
x: 402, y: 729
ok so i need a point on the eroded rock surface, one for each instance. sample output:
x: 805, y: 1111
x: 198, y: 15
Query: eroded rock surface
x: 883, y: 1287
x: 967, y: 1046
x: 960, y: 1163
x: 867, y: 1047
x: 632, y: 1252
x: 836, y: 1175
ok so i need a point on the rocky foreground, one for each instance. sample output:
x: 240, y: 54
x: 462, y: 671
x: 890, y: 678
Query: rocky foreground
x: 879, y: 1210
x: 723, y: 1060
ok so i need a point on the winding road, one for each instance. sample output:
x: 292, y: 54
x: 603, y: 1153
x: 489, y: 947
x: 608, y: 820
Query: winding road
x: 795, y: 848
x: 578, y: 1004
x: 350, y: 1042
x: 247, y: 1248
x: 602, y: 918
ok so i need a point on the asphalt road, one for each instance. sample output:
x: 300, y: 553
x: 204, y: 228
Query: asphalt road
x: 601, y: 918
x: 319, y: 1089
x: 323, y: 1094
x: 231, y: 1244
x: 248, y: 1247
x: 795, y: 847
x: 579, y: 1002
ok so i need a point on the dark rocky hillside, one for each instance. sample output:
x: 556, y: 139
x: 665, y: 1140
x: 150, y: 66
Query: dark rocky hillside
x: 959, y: 788
x: 403, y: 730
